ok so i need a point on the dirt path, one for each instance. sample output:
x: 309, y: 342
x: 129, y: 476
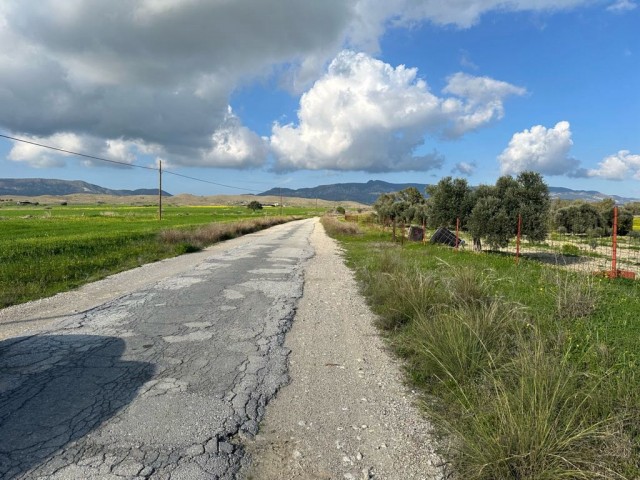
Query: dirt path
x: 346, y: 413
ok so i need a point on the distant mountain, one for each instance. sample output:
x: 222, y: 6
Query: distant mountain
x: 586, y: 195
x: 33, y: 187
x: 367, y: 193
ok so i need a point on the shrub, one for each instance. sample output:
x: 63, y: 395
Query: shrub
x: 570, y: 249
x: 254, y: 205
x: 340, y: 210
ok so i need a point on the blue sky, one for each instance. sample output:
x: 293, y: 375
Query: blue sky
x: 264, y: 93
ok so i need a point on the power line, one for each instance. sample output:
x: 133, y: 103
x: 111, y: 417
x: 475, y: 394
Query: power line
x: 166, y: 172
x: 126, y: 164
x: 76, y: 153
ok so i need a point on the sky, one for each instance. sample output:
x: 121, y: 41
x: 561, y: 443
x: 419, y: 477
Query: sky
x: 255, y: 94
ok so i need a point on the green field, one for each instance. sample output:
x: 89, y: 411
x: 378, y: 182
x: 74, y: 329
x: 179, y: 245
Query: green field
x: 45, y: 250
x: 529, y: 371
x: 636, y: 223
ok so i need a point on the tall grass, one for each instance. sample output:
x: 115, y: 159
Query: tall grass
x: 333, y: 226
x: 195, y: 239
x: 513, y: 391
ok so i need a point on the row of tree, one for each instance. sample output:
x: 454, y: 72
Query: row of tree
x: 593, y: 219
x: 490, y: 212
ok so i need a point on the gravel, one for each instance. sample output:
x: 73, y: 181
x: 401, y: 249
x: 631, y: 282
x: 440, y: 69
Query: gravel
x: 346, y: 413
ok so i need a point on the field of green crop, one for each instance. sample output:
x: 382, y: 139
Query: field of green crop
x: 636, y: 223
x: 45, y: 250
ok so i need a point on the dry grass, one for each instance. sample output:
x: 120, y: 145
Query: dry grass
x: 199, y: 238
x: 333, y: 226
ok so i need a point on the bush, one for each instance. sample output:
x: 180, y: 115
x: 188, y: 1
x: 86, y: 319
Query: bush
x: 254, y: 205
x: 340, y: 210
x: 571, y: 250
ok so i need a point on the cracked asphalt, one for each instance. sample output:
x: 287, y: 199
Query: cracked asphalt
x: 162, y: 382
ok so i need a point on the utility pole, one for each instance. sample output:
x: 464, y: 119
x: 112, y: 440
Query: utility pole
x: 280, y: 190
x: 160, y: 190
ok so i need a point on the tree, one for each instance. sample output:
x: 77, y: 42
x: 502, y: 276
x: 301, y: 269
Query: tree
x: 496, y: 210
x: 625, y: 220
x: 534, y: 205
x: 406, y: 205
x: 450, y: 199
x: 340, y: 209
x: 254, y: 205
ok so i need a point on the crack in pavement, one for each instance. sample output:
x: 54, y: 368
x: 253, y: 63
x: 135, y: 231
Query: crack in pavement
x: 163, y: 382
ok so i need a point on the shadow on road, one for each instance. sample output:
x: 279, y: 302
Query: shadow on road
x: 55, y: 389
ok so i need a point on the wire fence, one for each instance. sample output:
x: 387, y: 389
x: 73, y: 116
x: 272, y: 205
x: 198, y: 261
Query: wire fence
x: 609, y: 254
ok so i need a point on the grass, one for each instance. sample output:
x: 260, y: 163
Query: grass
x: 334, y: 226
x: 46, y: 250
x: 527, y: 372
x: 636, y: 222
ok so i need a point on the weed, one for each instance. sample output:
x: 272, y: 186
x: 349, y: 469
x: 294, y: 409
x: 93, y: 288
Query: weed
x: 576, y: 295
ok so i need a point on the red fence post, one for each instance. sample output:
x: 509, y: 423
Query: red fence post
x: 457, y: 233
x: 614, y: 259
x: 518, y: 238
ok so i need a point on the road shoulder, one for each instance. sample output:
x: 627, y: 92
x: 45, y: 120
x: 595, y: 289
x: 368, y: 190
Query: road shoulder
x: 346, y: 413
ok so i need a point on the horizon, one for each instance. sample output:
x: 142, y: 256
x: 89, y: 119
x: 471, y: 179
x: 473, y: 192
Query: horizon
x: 404, y: 92
x: 606, y: 194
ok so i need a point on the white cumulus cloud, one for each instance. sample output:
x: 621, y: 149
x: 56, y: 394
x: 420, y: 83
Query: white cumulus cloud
x: 621, y: 6
x: 544, y: 150
x: 161, y: 72
x: 620, y: 166
x: 364, y: 114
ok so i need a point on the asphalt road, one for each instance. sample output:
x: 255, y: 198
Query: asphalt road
x: 160, y: 382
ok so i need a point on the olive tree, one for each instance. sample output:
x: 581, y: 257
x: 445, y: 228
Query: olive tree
x: 494, y: 216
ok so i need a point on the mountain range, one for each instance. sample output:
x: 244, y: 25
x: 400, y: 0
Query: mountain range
x: 367, y: 193
x: 33, y: 187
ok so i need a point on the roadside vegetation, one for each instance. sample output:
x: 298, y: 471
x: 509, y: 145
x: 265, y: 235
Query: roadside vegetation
x: 527, y: 371
x: 46, y: 250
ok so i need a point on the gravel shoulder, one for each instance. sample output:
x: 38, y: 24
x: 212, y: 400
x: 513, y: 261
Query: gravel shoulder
x: 346, y: 413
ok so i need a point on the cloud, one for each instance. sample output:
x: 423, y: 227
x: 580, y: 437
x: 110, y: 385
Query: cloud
x: 466, y: 62
x: 161, y: 72
x: 465, y: 168
x: 461, y: 13
x: 621, y: 6
x: 366, y: 115
x: 482, y: 102
x: 620, y: 166
x: 118, y: 150
x: 544, y: 150
x: 235, y: 146
x: 158, y: 72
